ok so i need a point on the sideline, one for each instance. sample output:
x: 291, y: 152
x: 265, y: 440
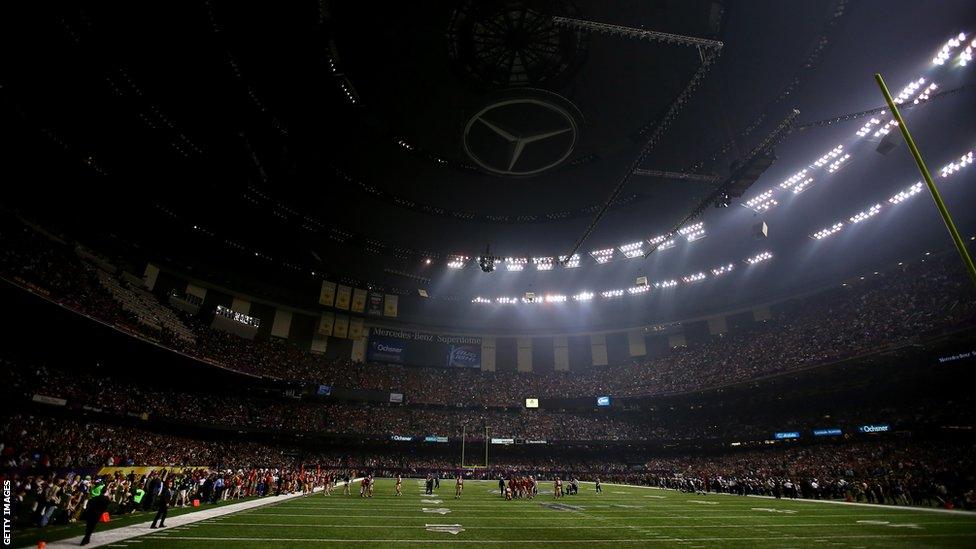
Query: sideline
x: 895, y: 508
x: 116, y: 535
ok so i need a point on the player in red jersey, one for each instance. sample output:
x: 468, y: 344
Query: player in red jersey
x: 399, y: 485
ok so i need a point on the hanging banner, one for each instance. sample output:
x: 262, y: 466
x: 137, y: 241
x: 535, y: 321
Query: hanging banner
x: 374, y: 304
x: 390, y: 305
x: 343, y: 296
x: 341, y: 326
x: 326, y: 323
x: 423, y: 349
x: 358, y: 300
x: 356, y: 329
x: 327, y: 293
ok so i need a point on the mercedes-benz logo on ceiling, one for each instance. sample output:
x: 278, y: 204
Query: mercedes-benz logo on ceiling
x: 521, y: 136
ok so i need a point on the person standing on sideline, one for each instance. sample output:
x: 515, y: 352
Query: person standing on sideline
x: 599, y: 489
x: 163, y: 504
x: 97, y: 504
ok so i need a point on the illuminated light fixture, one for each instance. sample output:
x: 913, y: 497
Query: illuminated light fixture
x: 761, y: 202
x: 602, y: 256
x: 925, y: 93
x: 632, y: 250
x: 945, y: 52
x: 967, y: 54
x: 824, y: 233
x: 570, y: 263
x: 636, y: 290
x: 839, y: 163
x: 609, y: 294
x: 666, y: 284
x: 692, y: 278
x: 516, y: 264
x: 802, y: 185
x: 906, y: 194
x: 583, y: 296
x: 866, y: 214
x: 506, y: 300
x: 868, y: 126
x: 693, y: 232
x: 759, y: 258
x: 456, y: 261
x: 480, y: 299
x: 555, y: 299
x: 953, y: 167
x: 723, y: 269
x: 830, y: 155
x: 908, y: 91
x: 886, y: 129
x: 661, y: 242
x: 794, y: 179
x: 543, y: 263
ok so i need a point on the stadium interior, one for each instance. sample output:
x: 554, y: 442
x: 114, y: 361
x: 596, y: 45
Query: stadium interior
x: 620, y: 258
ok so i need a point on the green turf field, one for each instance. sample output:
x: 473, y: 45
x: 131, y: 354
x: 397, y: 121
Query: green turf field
x: 621, y: 515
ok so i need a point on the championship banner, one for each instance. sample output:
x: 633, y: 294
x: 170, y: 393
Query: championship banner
x: 358, y: 300
x: 390, y: 305
x: 423, y: 349
x: 343, y: 296
x: 341, y: 328
x: 356, y: 329
x: 326, y: 324
x: 327, y: 293
x: 374, y: 304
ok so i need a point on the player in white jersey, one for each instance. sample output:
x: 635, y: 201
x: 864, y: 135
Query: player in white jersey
x: 458, y: 487
x: 399, y: 486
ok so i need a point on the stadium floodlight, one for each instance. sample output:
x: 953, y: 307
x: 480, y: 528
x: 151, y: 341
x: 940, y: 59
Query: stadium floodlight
x: 866, y: 214
x: 828, y: 156
x: 794, y: 179
x: 637, y: 290
x: 945, y: 52
x: 602, y: 256
x: 543, y: 263
x: 908, y: 91
x: 666, y: 283
x: 609, y: 294
x: 868, y: 126
x: 516, y: 263
x: 722, y: 269
x: 906, y: 194
x: 955, y: 166
x: 762, y: 202
x: 555, y: 298
x: 661, y: 242
x: 824, y: 233
x: 838, y: 163
x: 480, y: 299
x: 693, y: 232
x: 692, y: 278
x: 886, y: 129
x: 759, y: 258
x: 507, y: 300
x: 583, y: 296
x: 632, y: 250
x: 967, y: 54
x: 925, y: 93
x: 570, y: 263
x: 802, y: 185
x: 456, y: 261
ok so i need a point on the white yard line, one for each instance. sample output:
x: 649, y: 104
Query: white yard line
x: 751, y: 526
x: 116, y: 535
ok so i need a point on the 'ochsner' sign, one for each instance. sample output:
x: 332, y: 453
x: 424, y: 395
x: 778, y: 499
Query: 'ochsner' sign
x: 874, y: 428
x: 424, y: 336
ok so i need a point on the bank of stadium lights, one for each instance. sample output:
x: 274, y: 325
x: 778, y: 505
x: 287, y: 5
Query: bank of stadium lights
x: 868, y: 126
x: 602, y: 256
x: 571, y: 262
x: 908, y: 91
x: 759, y: 258
x: 692, y: 278
x: 828, y: 231
x: 906, y: 194
x: 866, y: 214
x: 555, y: 298
x: 945, y: 52
x: 925, y: 93
x: 632, y: 250
x: 516, y: 264
x: 456, y: 261
x: 637, y: 290
x: 829, y: 156
x: 507, y: 300
x: 837, y: 164
x: 722, y: 269
x: 967, y: 54
x: 802, y: 185
x: 794, y: 179
x: 543, y: 263
x: 886, y: 129
x: 693, y: 232
x: 956, y: 165
x: 583, y: 296
x: 610, y: 294
x: 666, y: 283
x: 762, y: 202
x: 661, y: 242
x: 480, y: 299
